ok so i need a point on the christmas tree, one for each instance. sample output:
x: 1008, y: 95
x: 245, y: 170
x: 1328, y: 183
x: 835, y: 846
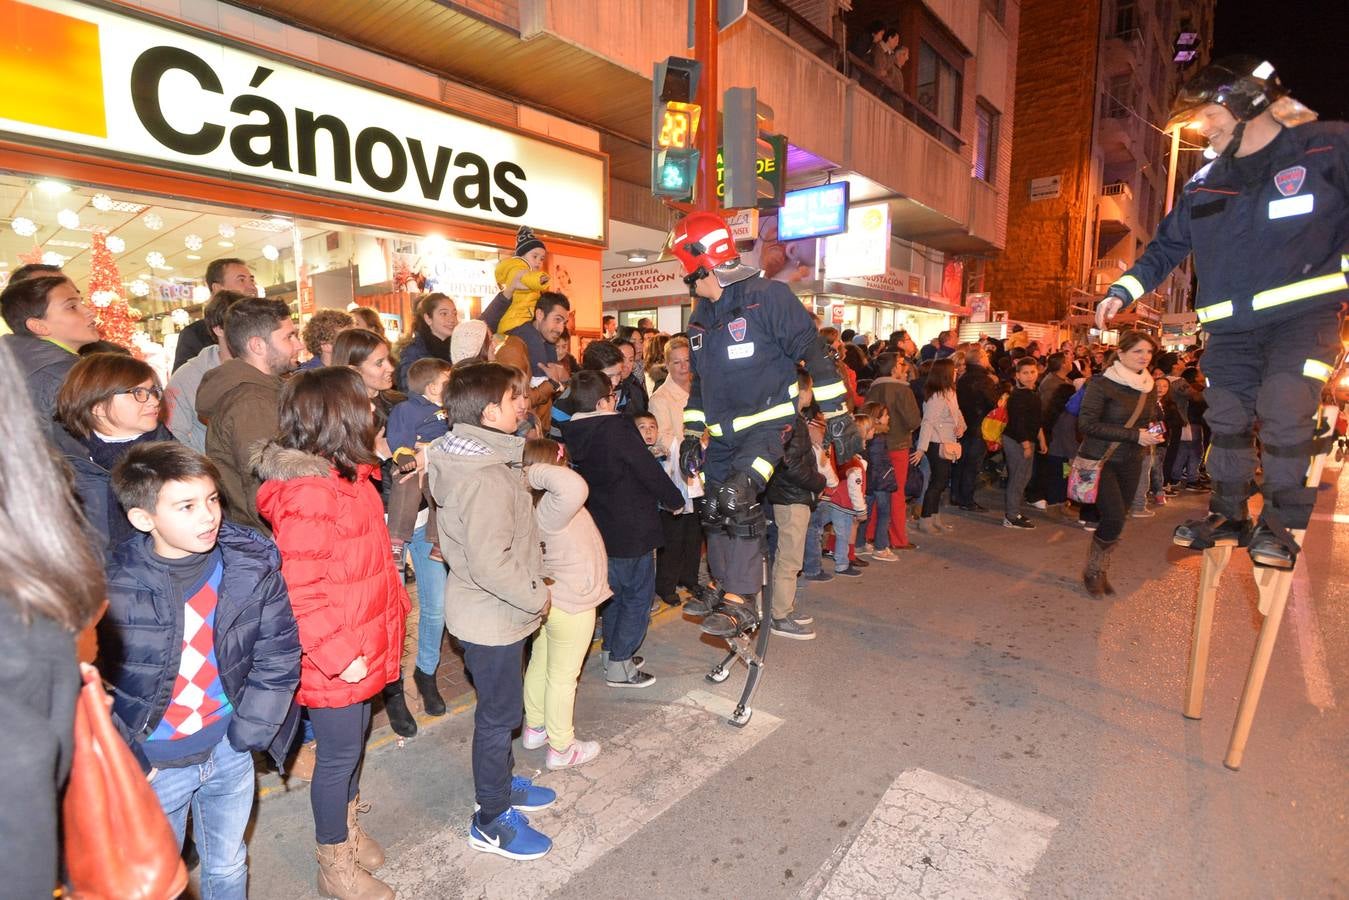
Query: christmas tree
x: 116, y: 319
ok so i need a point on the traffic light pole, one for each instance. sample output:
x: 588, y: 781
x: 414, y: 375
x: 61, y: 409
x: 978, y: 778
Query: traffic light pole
x: 705, y: 39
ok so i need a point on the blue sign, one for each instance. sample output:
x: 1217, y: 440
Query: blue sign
x: 814, y: 212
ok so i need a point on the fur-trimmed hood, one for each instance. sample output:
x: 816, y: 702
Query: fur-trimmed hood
x: 273, y: 462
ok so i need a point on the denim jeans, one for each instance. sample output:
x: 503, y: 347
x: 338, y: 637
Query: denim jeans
x: 1185, y: 466
x: 810, y: 565
x: 844, y: 522
x: 431, y: 577
x: 220, y: 791
x: 340, y: 732
x: 498, y: 678
x: 878, y: 520
x: 628, y: 612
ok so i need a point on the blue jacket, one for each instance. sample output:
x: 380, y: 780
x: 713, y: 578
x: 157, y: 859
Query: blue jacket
x: 880, y: 471
x: 108, y: 525
x: 415, y: 419
x: 1266, y: 250
x: 256, y: 642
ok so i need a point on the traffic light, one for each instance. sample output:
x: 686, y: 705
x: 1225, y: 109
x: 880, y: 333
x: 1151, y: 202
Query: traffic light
x: 751, y: 168
x: 674, y: 127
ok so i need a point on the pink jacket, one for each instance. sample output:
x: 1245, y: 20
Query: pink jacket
x: 573, y: 551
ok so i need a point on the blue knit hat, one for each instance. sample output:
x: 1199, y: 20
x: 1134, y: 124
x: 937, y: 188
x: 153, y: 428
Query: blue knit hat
x: 525, y: 241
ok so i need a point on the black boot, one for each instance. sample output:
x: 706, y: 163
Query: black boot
x: 1215, y: 530
x: 1093, y: 576
x: 432, y: 702
x: 706, y: 601
x: 731, y: 619
x: 1268, y: 549
x: 400, y: 718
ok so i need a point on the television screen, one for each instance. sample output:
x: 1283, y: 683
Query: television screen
x: 814, y: 212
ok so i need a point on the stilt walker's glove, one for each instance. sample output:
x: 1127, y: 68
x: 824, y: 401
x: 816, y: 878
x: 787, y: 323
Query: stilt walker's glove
x: 691, y: 453
x: 1115, y: 299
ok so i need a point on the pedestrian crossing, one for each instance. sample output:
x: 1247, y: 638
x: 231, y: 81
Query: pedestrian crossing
x: 599, y: 806
x: 931, y: 836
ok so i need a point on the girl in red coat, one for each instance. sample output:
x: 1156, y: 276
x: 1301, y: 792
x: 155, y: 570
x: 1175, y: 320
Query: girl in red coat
x: 328, y: 523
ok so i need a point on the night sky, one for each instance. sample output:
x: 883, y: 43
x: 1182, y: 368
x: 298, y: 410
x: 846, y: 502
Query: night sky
x: 1306, y: 40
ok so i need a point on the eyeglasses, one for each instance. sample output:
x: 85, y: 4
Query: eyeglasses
x: 142, y: 394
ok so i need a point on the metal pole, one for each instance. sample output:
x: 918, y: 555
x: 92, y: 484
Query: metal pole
x: 1171, y: 169
x: 705, y: 51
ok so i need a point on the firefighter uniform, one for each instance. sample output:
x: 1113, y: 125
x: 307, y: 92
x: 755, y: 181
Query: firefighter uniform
x: 1270, y: 237
x: 745, y: 347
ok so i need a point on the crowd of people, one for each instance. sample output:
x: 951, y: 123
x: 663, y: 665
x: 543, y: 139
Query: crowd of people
x: 254, y: 518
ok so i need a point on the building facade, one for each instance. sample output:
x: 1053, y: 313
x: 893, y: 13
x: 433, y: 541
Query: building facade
x: 1091, y: 168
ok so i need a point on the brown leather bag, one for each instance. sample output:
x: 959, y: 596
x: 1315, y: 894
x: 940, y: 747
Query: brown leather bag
x: 118, y: 844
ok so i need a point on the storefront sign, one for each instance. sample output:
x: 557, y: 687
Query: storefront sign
x: 864, y: 249
x: 814, y: 212
x: 1046, y: 188
x: 836, y: 313
x: 662, y: 279
x: 979, y: 305
x: 121, y: 87
x: 459, y: 277
x: 895, y: 281
x: 744, y: 224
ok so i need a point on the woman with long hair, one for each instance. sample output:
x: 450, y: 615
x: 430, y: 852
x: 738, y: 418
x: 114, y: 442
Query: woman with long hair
x: 369, y: 355
x: 51, y: 587
x: 108, y: 404
x: 434, y: 320
x: 348, y: 599
x: 939, y: 437
x: 1115, y: 421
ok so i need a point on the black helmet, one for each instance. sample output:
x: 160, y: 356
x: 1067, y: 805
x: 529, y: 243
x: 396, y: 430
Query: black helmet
x: 1245, y: 85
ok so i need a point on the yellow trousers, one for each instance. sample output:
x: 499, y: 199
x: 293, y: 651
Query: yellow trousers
x: 555, y: 661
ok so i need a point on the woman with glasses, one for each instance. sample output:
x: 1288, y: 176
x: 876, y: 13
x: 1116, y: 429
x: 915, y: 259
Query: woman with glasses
x: 107, y: 404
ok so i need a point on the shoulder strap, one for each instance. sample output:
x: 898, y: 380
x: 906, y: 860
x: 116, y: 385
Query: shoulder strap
x: 1138, y: 411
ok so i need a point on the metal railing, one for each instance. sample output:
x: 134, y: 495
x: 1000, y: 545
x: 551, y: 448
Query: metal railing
x: 833, y: 52
x: 1118, y: 189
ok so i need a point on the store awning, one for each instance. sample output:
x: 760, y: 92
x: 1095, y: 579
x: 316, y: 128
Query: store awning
x: 842, y: 289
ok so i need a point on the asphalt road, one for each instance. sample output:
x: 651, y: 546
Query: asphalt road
x: 968, y: 724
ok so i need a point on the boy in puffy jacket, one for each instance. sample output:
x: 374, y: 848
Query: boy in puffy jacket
x: 201, y: 650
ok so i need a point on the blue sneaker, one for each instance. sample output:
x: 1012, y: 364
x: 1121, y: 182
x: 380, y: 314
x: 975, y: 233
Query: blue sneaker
x: 508, y: 835
x: 527, y: 796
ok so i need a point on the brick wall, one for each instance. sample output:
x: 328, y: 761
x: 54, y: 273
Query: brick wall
x: 1051, y: 135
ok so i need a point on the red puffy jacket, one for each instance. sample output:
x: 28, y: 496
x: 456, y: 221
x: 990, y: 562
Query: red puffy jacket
x: 344, y: 589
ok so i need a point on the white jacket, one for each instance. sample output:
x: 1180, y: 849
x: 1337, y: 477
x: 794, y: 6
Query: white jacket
x: 942, y: 421
x: 573, y: 551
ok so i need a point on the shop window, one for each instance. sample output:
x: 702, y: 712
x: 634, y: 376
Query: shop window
x: 938, y: 87
x: 634, y: 317
x: 985, y: 142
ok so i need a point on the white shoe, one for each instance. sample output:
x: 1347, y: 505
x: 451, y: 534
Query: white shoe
x: 534, y: 738
x: 863, y: 550
x: 886, y: 555
x: 1040, y: 504
x: 578, y: 754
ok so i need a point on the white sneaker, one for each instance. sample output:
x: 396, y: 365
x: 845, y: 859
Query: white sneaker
x: 534, y: 738
x: 886, y: 555
x: 1040, y: 504
x: 578, y: 754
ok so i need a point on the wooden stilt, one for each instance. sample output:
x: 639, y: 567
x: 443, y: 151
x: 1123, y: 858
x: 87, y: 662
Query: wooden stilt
x: 1210, y: 572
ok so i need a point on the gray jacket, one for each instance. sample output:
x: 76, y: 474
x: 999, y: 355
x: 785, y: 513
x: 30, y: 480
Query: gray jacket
x: 181, y: 398
x: 44, y: 366
x: 488, y: 536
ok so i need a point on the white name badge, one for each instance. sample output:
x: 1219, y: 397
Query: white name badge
x: 740, y: 351
x: 1291, y: 206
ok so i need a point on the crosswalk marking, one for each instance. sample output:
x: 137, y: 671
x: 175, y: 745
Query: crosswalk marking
x: 933, y: 837
x: 642, y: 772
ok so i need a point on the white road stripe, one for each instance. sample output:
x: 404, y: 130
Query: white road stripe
x: 1311, y: 650
x: 934, y: 837
x: 639, y: 775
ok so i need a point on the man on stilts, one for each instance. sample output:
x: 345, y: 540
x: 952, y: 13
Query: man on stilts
x: 1268, y: 224
x: 746, y: 335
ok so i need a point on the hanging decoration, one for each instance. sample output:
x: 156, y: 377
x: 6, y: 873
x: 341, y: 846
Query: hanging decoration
x: 271, y: 253
x: 68, y: 218
x: 116, y: 244
x: 116, y: 319
x: 52, y: 258
x: 102, y: 202
x: 139, y: 288
x: 226, y: 230
x: 192, y: 242
x: 153, y: 221
x: 155, y: 260
x: 24, y: 227
x: 180, y: 317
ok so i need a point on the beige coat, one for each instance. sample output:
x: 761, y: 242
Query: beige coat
x: 495, y: 592
x: 573, y: 551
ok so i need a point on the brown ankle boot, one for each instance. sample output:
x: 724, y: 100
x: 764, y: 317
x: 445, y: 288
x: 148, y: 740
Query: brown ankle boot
x: 1094, y: 575
x: 369, y: 854
x: 341, y: 878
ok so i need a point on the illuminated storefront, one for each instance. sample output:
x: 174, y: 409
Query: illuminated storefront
x: 179, y: 145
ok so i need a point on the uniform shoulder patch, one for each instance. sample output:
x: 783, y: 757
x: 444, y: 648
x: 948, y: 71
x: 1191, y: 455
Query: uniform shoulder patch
x: 738, y: 328
x: 1289, y: 180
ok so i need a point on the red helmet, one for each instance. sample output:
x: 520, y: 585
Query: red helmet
x: 702, y: 240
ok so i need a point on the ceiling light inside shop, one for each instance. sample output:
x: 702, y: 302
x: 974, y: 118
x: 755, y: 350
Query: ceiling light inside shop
x: 272, y: 225
x: 115, y: 244
x: 201, y: 293
x: 225, y: 244
x: 638, y: 255
x: 53, y: 188
x: 24, y: 227
x: 68, y: 218
x: 270, y: 252
x: 125, y: 207
x: 279, y: 222
x: 194, y: 256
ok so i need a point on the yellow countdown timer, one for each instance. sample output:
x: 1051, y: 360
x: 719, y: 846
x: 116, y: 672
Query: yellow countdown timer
x: 678, y: 126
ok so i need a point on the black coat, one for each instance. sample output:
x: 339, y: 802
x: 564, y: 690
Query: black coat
x: 1106, y: 406
x: 976, y: 394
x: 627, y: 486
x: 256, y: 642
x: 39, y: 681
x: 108, y: 524
x: 1023, y: 415
x: 797, y: 479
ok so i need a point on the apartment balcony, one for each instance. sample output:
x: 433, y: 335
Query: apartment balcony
x: 1116, y: 205
x: 1121, y: 136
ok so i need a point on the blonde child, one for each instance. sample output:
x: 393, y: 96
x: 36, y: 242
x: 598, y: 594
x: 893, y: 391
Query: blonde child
x: 847, y: 501
x: 575, y: 560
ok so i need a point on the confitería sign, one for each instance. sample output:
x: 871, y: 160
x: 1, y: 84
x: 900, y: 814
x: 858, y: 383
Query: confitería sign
x: 122, y: 87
